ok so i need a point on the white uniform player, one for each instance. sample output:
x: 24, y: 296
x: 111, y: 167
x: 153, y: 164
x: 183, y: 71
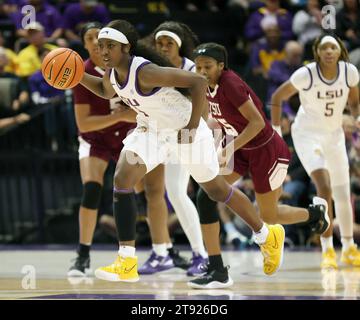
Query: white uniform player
x: 160, y: 115
x: 317, y: 130
x: 318, y: 136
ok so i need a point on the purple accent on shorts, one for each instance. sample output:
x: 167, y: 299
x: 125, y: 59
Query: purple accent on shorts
x: 137, y: 85
x: 123, y: 190
x: 121, y: 87
x: 229, y: 196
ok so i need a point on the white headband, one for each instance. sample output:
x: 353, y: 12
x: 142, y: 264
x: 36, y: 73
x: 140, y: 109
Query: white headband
x: 330, y: 39
x: 169, y: 34
x: 112, y: 34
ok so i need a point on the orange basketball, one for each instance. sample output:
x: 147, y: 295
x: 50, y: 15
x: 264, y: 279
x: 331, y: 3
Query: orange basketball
x: 62, y: 68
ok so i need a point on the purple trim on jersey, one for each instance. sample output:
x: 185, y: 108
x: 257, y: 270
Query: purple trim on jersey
x: 183, y: 63
x: 346, y: 76
x: 328, y: 83
x: 136, y: 82
x: 121, y: 87
x: 311, y: 79
x: 192, y: 67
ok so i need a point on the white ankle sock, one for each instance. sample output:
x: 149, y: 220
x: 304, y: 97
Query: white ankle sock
x: 261, y: 235
x: 126, y: 251
x: 160, y: 249
x: 347, y: 243
x: 326, y: 243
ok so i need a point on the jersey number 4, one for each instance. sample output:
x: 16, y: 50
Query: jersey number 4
x: 329, y: 109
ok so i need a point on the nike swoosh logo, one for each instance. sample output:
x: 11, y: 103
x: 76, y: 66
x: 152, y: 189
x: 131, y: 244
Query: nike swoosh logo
x: 50, y: 72
x: 129, y: 270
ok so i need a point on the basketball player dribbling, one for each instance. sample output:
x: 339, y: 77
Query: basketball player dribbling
x: 325, y: 87
x: 168, y: 123
x: 101, y: 132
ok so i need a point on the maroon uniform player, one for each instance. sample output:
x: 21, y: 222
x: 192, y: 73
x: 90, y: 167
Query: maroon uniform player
x: 256, y: 147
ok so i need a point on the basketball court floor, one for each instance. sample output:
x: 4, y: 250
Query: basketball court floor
x: 40, y: 273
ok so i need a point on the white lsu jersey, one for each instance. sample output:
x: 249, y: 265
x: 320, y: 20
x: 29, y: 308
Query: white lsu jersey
x: 323, y: 101
x: 163, y: 108
x: 188, y: 65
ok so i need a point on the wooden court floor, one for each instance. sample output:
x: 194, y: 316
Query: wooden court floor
x: 41, y: 274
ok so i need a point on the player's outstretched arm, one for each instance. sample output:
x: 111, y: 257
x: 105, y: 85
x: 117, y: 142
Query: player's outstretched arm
x: 99, y: 86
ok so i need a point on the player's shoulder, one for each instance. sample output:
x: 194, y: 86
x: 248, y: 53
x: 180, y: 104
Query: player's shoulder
x: 188, y: 64
x: 309, y: 66
x: 348, y: 66
x: 89, y: 65
x: 230, y: 77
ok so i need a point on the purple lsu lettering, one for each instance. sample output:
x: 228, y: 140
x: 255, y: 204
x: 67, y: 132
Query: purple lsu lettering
x: 133, y: 103
x: 330, y: 94
x: 130, y: 102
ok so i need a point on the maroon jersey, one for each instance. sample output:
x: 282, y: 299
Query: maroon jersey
x: 224, y: 103
x: 109, y: 138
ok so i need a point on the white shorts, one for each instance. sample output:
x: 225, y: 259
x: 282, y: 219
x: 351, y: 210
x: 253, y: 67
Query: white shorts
x: 323, y: 151
x: 153, y: 148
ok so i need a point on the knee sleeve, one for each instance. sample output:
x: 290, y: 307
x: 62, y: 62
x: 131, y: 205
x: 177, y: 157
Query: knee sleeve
x: 141, y: 203
x: 207, y: 208
x: 91, y: 195
x: 125, y: 215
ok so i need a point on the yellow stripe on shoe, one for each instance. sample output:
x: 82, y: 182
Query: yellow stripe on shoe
x: 123, y: 269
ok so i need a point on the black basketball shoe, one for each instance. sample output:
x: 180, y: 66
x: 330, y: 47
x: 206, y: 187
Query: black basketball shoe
x: 319, y: 219
x: 80, y: 267
x: 213, y: 279
x: 179, y: 261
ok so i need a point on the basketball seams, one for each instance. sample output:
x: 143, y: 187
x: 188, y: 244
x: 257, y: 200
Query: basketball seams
x: 69, y: 85
x: 64, y: 51
x: 62, y: 67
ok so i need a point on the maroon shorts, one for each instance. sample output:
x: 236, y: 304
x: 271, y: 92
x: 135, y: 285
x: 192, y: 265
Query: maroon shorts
x: 106, y: 146
x: 267, y: 164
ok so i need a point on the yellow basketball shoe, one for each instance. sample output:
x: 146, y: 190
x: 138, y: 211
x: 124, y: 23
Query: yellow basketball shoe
x: 351, y: 256
x: 273, y: 249
x: 123, y: 269
x: 329, y: 259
